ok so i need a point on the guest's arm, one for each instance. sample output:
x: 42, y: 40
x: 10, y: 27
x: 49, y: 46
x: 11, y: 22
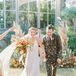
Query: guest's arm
x: 5, y: 33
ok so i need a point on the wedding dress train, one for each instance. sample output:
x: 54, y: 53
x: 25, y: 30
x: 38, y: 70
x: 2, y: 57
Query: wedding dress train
x: 32, y: 61
x: 5, y: 56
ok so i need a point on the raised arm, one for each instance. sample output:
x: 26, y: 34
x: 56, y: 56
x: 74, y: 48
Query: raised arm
x: 5, y: 33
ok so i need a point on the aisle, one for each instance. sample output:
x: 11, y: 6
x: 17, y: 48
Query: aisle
x: 60, y: 72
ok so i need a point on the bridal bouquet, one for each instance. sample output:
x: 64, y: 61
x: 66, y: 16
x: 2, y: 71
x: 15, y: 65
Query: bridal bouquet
x: 22, y: 44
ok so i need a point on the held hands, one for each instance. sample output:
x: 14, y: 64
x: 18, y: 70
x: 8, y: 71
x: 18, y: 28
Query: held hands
x: 41, y: 50
x: 42, y: 54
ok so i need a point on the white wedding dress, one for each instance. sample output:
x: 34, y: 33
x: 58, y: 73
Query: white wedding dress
x: 32, y: 61
x: 5, y: 56
x: 32, y: 67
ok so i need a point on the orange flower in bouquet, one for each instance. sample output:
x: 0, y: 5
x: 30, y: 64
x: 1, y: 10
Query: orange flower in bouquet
x: 22, y: 44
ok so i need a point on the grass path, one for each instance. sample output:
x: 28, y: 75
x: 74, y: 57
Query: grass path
x: 60, y: 72
x: 17, y: 72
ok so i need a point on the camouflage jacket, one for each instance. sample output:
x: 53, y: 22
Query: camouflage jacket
x: 52, y: 47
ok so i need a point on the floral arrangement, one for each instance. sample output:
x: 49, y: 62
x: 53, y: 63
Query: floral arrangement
x: 22, y: 44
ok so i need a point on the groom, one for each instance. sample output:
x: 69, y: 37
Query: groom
x: 52, y: 46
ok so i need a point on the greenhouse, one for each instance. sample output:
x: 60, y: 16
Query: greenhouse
x: 23, y: 14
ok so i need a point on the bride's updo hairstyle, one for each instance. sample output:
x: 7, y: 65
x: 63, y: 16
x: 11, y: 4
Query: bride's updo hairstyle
x: 32, y: 28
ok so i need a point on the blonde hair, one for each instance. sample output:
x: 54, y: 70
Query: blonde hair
x: 32, y: 28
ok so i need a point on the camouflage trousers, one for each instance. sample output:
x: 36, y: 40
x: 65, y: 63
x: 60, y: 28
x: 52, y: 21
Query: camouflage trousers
x: 51, y: 69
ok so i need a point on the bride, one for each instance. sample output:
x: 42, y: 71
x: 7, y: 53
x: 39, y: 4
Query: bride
x: 6, y: 54
x: 32, y: 67
x: 32, y: 61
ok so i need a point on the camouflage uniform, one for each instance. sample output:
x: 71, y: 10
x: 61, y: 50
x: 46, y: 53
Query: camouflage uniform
x: 52, y: 49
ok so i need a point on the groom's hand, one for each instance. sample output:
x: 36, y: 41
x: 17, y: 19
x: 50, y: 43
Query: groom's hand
x: 59, y: 61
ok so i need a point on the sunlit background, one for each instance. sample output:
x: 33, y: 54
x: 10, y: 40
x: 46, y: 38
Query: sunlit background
x: 40, y: 13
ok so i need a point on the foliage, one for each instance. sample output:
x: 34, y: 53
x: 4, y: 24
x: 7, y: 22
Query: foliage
x: 69, y: 13
x: 72, y: 42
x: 1, y: 5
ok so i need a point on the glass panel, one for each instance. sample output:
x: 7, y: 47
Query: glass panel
x: 51, y: 6
x: 10, y: 17
x: 23, y: 7
x: 43, y: 20
x: 1, y: 4
x: 32, y: 0
x: 43, y: 6
x: 23, y: 4
x: 51, y: 19
x: 33, y: 19
x: 1, y: 19
x: 23, y: 21
x: 33, y: 6
x: 10, y: 4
